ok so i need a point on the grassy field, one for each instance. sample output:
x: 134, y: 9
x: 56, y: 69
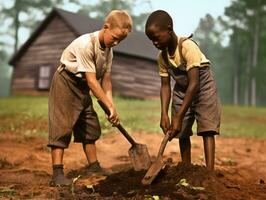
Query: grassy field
x: 28, y: 116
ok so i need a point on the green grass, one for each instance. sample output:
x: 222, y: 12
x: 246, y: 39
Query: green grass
x: 28, y: 116
x: 244, y: 121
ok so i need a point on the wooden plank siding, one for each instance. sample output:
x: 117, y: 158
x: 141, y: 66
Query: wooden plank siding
x: 46, y: 50
x: 135, y: 77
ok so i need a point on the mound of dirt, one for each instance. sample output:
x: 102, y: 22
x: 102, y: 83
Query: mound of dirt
x: 174, y: 182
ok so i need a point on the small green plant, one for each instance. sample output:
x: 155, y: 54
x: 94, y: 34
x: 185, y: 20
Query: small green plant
x: 202, y: 158
x: 73, y: 184
x: 151, y: 197
x: 90, y: 187
x: 230, y: 161
x: 7, y: 192
x: 183, y: 182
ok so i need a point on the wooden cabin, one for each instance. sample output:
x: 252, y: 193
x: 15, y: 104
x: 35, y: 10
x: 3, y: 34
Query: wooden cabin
x: 134, y: 70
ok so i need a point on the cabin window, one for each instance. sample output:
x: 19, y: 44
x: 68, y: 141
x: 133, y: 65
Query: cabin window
x: 44, y: 77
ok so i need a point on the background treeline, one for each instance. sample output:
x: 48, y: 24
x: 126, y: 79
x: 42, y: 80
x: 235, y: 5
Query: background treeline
x: 235, y: 42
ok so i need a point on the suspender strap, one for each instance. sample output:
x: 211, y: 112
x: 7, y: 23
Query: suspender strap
x: 180, y: 46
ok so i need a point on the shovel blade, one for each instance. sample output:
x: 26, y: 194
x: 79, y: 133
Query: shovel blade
x: 153, y: 171
x: 140, y: 157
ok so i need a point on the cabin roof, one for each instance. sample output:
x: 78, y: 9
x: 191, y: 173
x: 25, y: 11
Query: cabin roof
x: 136, y: 44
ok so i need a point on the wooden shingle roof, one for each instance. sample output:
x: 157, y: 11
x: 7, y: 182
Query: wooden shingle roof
x: 136, y: 44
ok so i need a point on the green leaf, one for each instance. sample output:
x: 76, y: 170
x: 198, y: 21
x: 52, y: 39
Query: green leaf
x: 90, y: 187
x: 73, y: 184
x: 183, y: 182
x: 156, y: 197
x: 197, y: 188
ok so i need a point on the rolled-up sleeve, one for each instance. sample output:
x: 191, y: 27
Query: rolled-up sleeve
x: 162, y: 66
x: 191, y: 54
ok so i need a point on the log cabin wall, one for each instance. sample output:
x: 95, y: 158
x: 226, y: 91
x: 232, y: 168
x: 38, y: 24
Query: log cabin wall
x: 135, y: 77
x: 44, y: 51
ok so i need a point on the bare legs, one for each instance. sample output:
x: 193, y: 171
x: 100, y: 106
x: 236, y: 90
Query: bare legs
x: 57, y: 155
x: 185, y: 150
x: 89, y: 150
x: 209, y: 150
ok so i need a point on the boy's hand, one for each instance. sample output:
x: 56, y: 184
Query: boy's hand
x: 165, y: 123
x: 175, y: 127
x: 113, y: 117
x: 111, y: 113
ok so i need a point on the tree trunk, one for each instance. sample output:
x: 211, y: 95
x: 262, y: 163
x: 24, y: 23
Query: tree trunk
x: 16, y: 24
x: 235, y: 89
x: 248, y: 79
x: 237, y: 70
x: 255, y: 53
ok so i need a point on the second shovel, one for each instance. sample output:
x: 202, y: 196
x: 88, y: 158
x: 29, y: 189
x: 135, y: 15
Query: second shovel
x: 156, y: 167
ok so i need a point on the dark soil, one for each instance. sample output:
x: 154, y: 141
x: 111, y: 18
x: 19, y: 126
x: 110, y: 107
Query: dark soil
x: 213, y: 185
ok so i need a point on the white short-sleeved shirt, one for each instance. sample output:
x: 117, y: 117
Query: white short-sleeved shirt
x: 85, y: 54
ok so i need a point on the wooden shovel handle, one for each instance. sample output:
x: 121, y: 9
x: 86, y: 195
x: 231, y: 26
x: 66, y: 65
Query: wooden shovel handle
x: 104, y: 107
x: 163, y: 145
x: 119, y: 126
x: 125, y: 133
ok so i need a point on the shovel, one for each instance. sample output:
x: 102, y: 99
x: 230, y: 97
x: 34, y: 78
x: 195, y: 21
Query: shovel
x: 156, y: 167
x: 138, y: 153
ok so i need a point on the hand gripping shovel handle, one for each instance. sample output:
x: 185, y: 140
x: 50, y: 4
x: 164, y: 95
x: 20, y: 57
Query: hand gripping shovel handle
x: 119, y: 126
x: 163, y: 145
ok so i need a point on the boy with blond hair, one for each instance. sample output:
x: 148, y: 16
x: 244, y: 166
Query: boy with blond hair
x: 84, y: 62
x: 194, y: 94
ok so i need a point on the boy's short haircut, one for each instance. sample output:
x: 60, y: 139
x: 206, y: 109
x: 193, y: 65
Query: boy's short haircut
x: 119, y: 19
x: 159, y: 18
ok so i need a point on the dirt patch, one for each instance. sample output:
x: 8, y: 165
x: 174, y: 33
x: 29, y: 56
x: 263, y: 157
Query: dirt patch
x: 179, y: 182
x: 25, y: 170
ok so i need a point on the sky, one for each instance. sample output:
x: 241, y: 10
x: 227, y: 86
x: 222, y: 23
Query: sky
x: 186, y: 14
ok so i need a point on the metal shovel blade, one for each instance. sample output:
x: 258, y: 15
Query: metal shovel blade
x: 138, y: 153
x: 153, y: 171
x: 140, y: 157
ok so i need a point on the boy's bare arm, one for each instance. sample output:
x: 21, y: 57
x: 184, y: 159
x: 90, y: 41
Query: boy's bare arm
x: 165, y: 100
x: 107, y: 86
x: 100, y: 95
x: 96, y: 89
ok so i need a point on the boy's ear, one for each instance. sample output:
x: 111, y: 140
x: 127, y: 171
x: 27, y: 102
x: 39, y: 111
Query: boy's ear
x: 170, y: 28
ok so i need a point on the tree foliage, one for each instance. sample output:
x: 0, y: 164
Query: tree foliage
x: 25, y: 14
x: 245, y: 19
x: 240, y: 65
x: 103, y: 7
x: 209, y: 35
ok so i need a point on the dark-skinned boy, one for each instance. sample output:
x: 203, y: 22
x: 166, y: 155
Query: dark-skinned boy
x: 194, y: 94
